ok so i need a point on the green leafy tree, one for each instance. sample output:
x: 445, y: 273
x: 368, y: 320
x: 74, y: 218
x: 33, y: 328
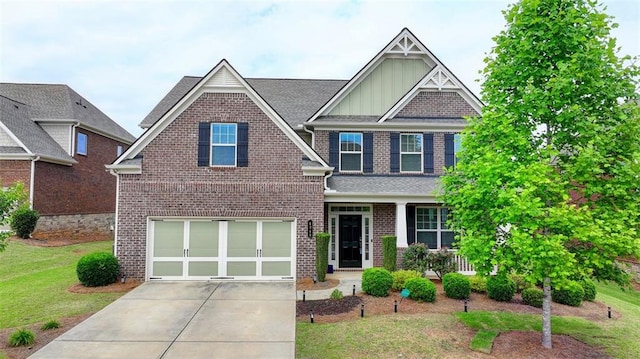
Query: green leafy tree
x: 10, y: 199
x: 548, y: 181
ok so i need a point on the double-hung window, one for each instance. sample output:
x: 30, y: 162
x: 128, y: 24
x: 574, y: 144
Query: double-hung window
x: 81, y: 144
x: 223, y: 144
x: 411, y: 153
x: 351, y: 152
x: 431, y: 227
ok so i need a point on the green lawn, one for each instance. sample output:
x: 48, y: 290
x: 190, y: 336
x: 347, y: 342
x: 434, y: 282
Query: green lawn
x: 387, y: 336
x: 34, y: 282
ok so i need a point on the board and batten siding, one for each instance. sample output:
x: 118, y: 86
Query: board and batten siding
x: 382, y: 88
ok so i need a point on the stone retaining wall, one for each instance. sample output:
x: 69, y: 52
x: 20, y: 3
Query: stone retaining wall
x: 75, y: 227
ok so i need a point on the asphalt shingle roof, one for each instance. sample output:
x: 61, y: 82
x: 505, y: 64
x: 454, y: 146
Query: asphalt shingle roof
x: 295, y: 100
x: 395, y: 185
x: 15, y: 116
x: 56, y: 101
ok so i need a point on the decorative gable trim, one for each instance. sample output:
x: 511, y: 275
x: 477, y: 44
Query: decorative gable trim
x: 223, y: 78
x: 404, y: 44
x: 440, y: 79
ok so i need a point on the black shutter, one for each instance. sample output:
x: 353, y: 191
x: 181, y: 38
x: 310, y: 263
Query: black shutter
x: 334, y: 149
x: 449, y: 154
x: 204, y: 144
x: 411, y: 224
x: 367, y: 160
x: 394, y: 152
x: 243, y: 144
x: 427, y: 140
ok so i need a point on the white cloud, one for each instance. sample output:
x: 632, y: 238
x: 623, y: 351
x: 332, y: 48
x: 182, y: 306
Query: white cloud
x: 125, y: 56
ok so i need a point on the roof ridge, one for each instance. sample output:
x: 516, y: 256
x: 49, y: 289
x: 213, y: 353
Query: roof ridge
x: 292, y: 79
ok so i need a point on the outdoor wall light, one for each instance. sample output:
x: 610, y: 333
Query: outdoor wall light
x: 310, y: 228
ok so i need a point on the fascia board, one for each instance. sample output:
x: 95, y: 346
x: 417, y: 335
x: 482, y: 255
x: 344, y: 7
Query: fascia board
x: 386, y: 126
x: 124, y: 169
x: 340, y: 197
x: 316, y: 171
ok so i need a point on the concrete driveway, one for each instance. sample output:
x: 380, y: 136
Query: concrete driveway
x: 187, y: 320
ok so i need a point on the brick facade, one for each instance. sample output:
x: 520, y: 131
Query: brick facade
x: 15, y: 171
x: 171, y: 184
x: 437, y: 104
x: 384, y: 223
x: 56, y: 187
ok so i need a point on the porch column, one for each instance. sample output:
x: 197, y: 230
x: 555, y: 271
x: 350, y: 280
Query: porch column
x: 401, y: 224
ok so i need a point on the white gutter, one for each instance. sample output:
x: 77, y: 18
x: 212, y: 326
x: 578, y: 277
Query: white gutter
x: 32, y: 177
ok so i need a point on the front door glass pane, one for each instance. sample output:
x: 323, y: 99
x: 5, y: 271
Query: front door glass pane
x: 242, y: 241
x: 276, y: 239
x: 168, y: 239
x: 203, y: 239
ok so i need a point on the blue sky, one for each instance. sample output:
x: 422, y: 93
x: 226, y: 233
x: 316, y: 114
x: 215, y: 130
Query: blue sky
x: 124, y: 56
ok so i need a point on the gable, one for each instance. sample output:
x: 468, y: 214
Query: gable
x: 222, y: 79
x: 383, y: 87
x: 6, y: 140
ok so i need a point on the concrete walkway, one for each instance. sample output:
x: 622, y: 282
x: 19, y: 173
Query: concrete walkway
x: 347, y: 281
x: 187, y: 320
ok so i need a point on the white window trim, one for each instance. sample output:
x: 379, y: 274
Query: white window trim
x: 340, y: 152
x: 421, y: 153
x: 439, y: 228
x: 235, y: 145
x: 86, y: 144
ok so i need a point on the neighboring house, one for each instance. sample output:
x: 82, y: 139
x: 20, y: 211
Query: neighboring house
x: 234, y: 175
x: 57, y: 143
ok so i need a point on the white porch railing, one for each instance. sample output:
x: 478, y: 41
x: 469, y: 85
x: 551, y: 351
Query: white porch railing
x: 463, y: 266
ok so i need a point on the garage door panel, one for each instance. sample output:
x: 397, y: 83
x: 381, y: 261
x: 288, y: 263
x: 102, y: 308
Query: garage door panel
x: 276, y: 239
x: 202, y: 269
x: 203, y: 239
x: 168, y: 239
x: 242, y: 239
x: 242, y: 269
x: 167, y: 269
x: 280, y: 268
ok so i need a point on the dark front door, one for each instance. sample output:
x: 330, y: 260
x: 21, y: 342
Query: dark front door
x: 350, y: 239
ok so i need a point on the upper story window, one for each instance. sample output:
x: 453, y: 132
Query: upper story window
x: 457, y: 146
x: 81, y: 144
x: 119, y: 150
x: 351, y: 152
x: 431, y: 227
x: 223, y: 144
x: 411, y: 153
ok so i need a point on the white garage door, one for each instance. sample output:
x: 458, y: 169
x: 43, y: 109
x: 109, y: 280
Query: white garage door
x: 200, y: 249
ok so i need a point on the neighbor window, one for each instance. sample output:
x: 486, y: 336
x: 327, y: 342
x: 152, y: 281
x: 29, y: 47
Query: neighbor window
x: 119, y: 150
x: 410, y: 153
x: 223, y: 144
x: 351, y: 152
x: 431, y: 227
x: 81, y: 144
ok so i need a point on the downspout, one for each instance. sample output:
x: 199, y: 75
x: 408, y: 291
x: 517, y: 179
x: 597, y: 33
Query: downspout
x: 313, y: 145
x: 326, y: 181
x: 32, y: 177
x: 73, y: 138
x: 115, y: 218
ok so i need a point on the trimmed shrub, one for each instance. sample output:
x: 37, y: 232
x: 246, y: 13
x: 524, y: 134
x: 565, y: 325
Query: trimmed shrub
x: 377, y: 282
x: 571, y: 293
x: 322, y: 255
x: 589, y: 289
x: 389, y: 253
x: 98, y: 269
x: 478, y: 284
x: 52, y: 324
x: 24, y: 220
x: 533, y: 296
x: 521, y: 283
x: 442, y: 262
x: 501, y: 288
x: 421, y: 289
x: 415, y: 258
x: 401, y: 276
x: 456, y: 286
x: 336, y: 294
x: 21, y: 337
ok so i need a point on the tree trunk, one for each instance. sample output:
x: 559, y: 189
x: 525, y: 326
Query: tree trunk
x: 546, y: 314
